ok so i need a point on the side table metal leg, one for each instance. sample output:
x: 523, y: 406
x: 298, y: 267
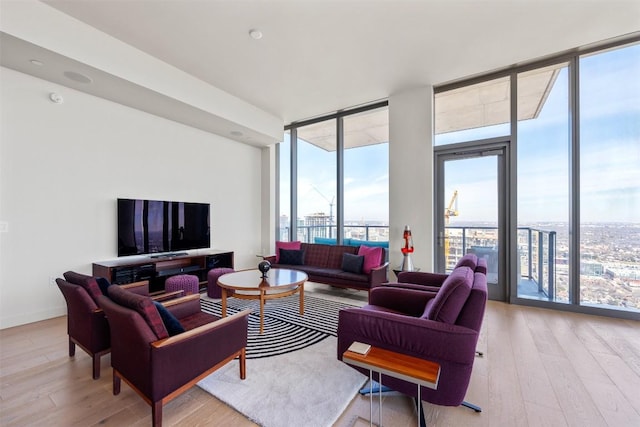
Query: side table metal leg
x: 370, y: 400
x: 380, y: 401
x: 421, y: 420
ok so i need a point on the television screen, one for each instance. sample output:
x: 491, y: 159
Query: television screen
x: 155, y: 226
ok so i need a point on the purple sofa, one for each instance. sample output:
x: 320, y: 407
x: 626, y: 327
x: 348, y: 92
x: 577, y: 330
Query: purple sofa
x: 437, y: 321
x: 323, y: 264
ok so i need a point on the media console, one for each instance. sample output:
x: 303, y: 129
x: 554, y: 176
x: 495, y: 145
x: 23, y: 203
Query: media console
x: 157, y: 269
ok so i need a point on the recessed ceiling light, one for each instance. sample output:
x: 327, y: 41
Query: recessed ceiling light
x: 36, y: 62
x: 255, y: 34
x: 77, y: 77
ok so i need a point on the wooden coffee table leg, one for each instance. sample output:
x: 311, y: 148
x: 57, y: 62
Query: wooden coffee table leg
x: 301, y: 299
x: 224, y: 302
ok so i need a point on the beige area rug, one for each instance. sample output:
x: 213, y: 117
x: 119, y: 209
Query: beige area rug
x: 309, y: 387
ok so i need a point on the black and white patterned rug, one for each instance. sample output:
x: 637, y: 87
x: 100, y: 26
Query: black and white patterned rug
x: 285, y: 330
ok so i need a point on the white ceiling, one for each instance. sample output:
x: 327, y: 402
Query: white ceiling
x: 320, y: 56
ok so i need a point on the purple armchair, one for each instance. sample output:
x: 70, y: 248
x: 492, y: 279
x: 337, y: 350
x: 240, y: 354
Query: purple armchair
x: 86, y: 325
x: 432, y: 281
x: 440, y: 324
x: 158, y: 366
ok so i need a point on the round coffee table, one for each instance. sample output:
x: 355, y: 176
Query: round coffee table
x: 249, y: 284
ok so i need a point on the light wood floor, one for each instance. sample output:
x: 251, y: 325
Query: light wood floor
x: 541, y: 368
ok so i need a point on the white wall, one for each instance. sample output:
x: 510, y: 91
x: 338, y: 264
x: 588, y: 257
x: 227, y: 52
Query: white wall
x: 411, y: 175
x: 62, y: 167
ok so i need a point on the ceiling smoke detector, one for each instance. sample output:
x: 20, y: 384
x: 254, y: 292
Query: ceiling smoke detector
x: 255, y: 34
x: 56, y: 98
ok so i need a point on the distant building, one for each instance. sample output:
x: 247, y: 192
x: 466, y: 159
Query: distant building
x: 589, y: 268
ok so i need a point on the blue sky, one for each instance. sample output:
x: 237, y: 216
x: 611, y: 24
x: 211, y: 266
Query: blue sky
x: 609, y: 157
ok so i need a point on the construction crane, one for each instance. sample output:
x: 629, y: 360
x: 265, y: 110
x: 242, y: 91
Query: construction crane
x: 331, y: 203
x: 449, y: 212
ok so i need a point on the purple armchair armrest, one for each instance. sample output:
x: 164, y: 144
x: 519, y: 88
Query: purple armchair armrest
x: 406, y: 301
x: 421, y: 278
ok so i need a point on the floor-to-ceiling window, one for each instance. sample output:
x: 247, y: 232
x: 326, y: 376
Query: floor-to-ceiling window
x: 543, y: 183
x: 575, y: 179
x: 366, y: 176
x: 339, y: 176
x: 609, y: 129
x: 317, y: 184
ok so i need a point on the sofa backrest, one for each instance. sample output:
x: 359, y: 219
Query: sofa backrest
x: 325, y: 256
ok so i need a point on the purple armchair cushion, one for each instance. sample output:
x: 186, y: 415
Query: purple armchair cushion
x: 451, y: 297
x: 291, y: 257
x: 372, y: 257
x: 352, y: 263
x: 87, y: 282
x: 285, y: 245
x: 172, y: 325
x: 142, y: 305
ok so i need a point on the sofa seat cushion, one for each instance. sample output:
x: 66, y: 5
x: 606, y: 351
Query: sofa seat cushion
x: 337, y: 273
x: 379, y: 308
x: 451, y: 297
x: 196, y: 320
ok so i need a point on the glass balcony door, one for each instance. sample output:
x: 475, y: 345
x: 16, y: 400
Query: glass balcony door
x: 471, y: 198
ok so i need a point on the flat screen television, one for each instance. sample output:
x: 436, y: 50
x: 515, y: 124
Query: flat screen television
x: 158, y: 226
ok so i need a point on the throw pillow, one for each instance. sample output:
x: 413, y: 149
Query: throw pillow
x: 143, y: 306
x: 372, y: 256
x: 87, y: 282
x: 103, y: 284
x: 173, y: 325
x: 285, y: 245
x: 291, y: 257
x: 352, y: 263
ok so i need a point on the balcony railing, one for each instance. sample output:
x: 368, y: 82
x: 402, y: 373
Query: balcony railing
x: 309, y: 233
x: 536, y: 250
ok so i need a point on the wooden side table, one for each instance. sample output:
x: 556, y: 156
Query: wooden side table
x: 412, y: 369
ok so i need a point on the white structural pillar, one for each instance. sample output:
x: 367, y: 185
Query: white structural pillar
x: 411, y: 175
x: 268, y: 200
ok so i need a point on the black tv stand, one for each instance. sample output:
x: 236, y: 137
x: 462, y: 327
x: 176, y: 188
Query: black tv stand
x: 170, y: 255
x: 158, y: 268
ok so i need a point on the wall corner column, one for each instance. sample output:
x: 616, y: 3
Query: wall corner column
x: 411, y: 200
x: 268, y: 200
